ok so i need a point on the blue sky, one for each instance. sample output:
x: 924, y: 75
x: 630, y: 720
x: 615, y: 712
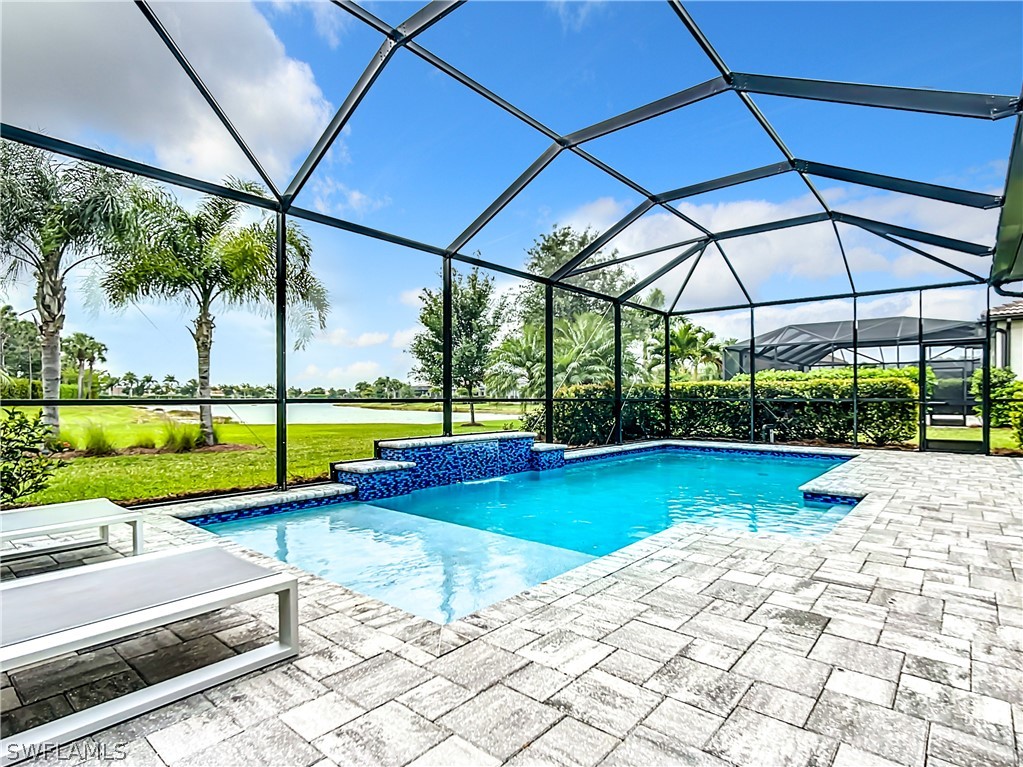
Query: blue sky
x: 423, y: 156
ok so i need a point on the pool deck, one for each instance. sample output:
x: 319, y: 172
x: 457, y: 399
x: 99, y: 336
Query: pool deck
x: 896, y: 639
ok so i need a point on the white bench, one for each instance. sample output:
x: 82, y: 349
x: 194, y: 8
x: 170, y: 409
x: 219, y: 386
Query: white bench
x: 57, y: 518
x: 45, y: 616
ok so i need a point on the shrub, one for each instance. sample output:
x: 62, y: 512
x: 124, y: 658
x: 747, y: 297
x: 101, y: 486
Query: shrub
x: 814, y: 408
x: 1016, y: 422
x: 18, y: 388
x: 26, y: 465
x: 180, y: 437
x: 95, y: 442
x: 1004, y: 389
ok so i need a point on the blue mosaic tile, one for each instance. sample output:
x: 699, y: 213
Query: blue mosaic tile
x: 383, y: 484
x: 460, y: 462
x: 261, y: 511
x: 831, y: 500
x: 548, y: 459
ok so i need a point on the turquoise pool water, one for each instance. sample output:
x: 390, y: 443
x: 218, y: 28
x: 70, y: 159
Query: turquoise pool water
x: 445, y: 552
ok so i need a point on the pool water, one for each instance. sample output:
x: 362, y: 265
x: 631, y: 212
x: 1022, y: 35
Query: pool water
x: 444, y: 552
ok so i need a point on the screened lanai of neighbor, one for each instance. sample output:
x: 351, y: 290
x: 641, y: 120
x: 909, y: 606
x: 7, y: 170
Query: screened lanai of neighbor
x: 572, y: 382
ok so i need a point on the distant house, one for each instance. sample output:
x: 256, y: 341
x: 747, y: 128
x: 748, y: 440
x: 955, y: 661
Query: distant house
x: 1007, y: 329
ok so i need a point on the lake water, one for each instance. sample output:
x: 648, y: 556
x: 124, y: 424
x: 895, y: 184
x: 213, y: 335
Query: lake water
x: 321, y: 412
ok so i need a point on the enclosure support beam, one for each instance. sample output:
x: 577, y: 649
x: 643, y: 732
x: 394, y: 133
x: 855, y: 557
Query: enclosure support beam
x: 548, y: 362
x: 928, y: 238
x: 602, y: 240
x: 901, y: 185
x: 617, y: 435
x: 907, y: 99
x: 658, y: 273
x: 281, y: 326
x: 921, y: 373
x: 189, y: 70
x: 340, y: 119
x: 648, y: 111
x: 856, y: 373
x: 447, y: 355
x: 985, y: 390
x: 724, y: 182
x: 667, y: 375
x: 78, y: 152
x: 752, y: 375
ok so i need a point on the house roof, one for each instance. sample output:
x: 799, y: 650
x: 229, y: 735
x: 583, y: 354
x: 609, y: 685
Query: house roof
x: 1011, y: 309
x: 809, y: 343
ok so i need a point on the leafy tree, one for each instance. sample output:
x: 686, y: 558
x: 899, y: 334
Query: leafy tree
x: 364, y: 389
x: 549, y: 252
x: 26, y: 463
x: 19, y: 345
x: 208, y: 259
x: 55, y: 216
x: 476, y: 317
x: 82, y: 351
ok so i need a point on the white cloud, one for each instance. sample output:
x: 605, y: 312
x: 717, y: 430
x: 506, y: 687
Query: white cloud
x: 342, y: 337
x: 402, y: 338
x: 333, y: 197
x: 575, y: 14
x: 799, y: 261
x: 97, y: 73
x: 342, y: 375
x: 412, y: 297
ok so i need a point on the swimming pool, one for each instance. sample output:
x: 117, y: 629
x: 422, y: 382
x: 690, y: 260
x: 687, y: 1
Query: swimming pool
x: 445, y: 552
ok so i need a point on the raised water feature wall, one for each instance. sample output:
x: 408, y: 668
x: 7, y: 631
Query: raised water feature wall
x: 413, y: 464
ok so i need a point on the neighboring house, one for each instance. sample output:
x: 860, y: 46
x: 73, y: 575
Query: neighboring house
x: 1007, y: 329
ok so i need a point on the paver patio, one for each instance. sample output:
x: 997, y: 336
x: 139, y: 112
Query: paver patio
x: 897, y: 639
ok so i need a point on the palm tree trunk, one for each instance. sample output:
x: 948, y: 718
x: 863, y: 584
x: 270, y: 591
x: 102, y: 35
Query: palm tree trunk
x: 81, y: 378
x: 203, y: 335
x: 50, y: 297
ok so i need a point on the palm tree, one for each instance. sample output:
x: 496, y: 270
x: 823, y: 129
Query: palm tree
x: 584, y: 348
x: 208, y: 259
x: 146, y: 384
x: 170, y: 384
x: 517, y: 364
x: 83, y: 351
x: 129, y: 381
x: 55, y: 216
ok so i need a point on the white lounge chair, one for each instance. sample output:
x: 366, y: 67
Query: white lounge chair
x: 44, y: 616
x: 56, y: 518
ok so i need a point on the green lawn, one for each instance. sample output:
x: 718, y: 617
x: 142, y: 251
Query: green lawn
x: 311, y: 448
x: 1001, y: 439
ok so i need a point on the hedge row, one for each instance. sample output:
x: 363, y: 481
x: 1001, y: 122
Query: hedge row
x: 18, y: 388
x: 809, y: 410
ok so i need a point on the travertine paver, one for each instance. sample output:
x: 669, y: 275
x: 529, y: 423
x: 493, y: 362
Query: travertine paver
x: 896, y: 639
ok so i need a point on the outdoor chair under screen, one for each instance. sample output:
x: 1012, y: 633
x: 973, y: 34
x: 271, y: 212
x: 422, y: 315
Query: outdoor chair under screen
x: 58, y: 518
x: 45, y: 616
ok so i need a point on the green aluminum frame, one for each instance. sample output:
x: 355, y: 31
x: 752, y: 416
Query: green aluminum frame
x: 1006, y: 262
